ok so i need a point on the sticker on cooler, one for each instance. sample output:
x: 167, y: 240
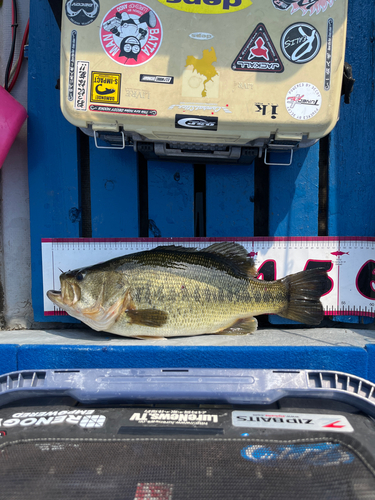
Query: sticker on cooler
x: 300, y: 43
x: 327, y: 71
x: 303, y: 101
x: 207, y: 6
x: 82, y: 13
x: 82, y: 76
x: 105, y: 87
x: 305, y: 6
x: 291, y: 421
x: 72, y: 63
x: 131, y: 33
x: 258, y: 54
x: 201, y: 36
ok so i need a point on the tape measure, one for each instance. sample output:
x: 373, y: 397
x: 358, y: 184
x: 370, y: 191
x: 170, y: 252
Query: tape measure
x: 349, y: 262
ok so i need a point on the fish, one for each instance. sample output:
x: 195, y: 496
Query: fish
x: 173, y: 291
x: 338, y: 253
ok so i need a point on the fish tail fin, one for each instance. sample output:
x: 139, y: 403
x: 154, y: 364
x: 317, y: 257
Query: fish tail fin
x: 304, y: 290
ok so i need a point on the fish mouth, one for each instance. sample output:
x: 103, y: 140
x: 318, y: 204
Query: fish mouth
x: 68, y: 296
x: 55, y: 296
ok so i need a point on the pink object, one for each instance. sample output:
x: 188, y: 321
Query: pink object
x: 12, y: 116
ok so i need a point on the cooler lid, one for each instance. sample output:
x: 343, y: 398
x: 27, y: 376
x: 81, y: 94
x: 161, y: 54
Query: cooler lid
x: 205, y: 71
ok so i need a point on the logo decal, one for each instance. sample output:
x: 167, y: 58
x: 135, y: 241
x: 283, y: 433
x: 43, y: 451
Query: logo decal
x: 156, y: 79
x: 204, y: 67
x: 258, y: 54
x: 72, y: 64
x: 196, y: 122
x: 105, y: 87
x: 207, y: 6
x: 80, y: 97
x: 266, y: 109
x: 201, y: 36
x: 303, y: 101
x: 293, y: 421
x: 304, y: 455
x: 191, y: 106
x: 300, y: 43
x: 83, y: 418
x: 306, y: 6
x: 124, y: 111
x: 82, y: 12
x: 327, y: 75
x: 131, y: 34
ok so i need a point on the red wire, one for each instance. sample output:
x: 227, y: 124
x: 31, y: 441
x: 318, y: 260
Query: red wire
x: 20, y: 57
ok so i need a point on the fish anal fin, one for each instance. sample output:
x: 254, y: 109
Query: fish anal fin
x: 147, y: 317
x: 149, y: 337
x: 242, y: 326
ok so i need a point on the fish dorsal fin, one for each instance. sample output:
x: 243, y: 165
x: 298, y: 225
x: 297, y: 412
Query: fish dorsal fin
x: 236, y: 254
x: 233, y: 255
x: 174, y: 248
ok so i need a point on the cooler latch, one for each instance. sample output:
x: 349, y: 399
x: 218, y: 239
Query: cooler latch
x: 114, y: 140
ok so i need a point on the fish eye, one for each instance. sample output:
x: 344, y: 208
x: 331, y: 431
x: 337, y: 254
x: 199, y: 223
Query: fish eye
x: 80, y: 276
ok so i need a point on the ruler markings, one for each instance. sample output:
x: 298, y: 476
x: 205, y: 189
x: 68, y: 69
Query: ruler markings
x: 289, y: 254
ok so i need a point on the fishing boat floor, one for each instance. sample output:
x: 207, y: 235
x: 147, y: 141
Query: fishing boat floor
x: 335, y: 336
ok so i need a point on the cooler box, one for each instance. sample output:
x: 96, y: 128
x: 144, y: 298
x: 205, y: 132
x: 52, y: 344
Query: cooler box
x: 164, y: 434
x: 219, y: 79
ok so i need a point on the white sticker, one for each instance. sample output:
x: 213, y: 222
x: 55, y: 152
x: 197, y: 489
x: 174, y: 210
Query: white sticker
x: 191, y: 106
x: 291, y: 421
x: 82, y: 77
x: 201, y: 36
x: 303, y: 101
x: 83, y: 418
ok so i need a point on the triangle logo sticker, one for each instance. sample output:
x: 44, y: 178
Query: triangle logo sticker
x: 258, y: 54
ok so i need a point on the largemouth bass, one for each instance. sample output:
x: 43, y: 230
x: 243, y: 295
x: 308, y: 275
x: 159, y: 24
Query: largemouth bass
x: 175, y: 291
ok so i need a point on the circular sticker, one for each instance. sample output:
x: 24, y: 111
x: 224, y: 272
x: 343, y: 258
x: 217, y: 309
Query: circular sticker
x: 300, y: 43
x: 131, y: 33
x: 303, y: 101
x: 82, y: 12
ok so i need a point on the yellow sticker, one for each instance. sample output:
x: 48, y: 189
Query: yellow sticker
x: 105, y: 87
x: 204, y: 67
x: 207, y: 6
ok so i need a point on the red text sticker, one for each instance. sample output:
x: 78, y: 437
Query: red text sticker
x: 153, y: 491
x: 131, y: 33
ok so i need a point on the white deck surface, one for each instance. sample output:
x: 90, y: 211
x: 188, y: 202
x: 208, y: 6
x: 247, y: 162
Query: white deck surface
x: 263, y: 337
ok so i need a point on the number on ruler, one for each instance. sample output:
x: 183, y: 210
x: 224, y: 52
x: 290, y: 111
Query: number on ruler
x: 365, y: 281
x: 267, y: 271
x: 325, y: 264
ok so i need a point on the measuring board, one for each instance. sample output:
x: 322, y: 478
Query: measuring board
x: 350, y: 263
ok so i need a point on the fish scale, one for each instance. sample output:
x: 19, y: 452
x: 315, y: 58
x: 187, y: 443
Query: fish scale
x: 174, y: 291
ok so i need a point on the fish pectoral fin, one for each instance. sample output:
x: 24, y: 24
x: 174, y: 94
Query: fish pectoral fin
x: 147, y: 317
x: 241, y: 327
